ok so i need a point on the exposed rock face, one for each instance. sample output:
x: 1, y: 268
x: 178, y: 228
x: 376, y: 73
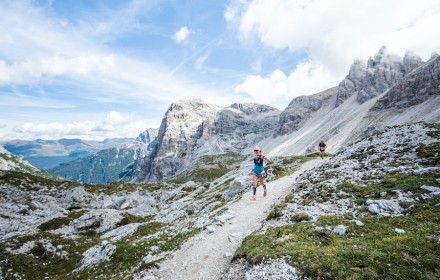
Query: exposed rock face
x: 299, y: 110
x: 380, y: 74
x: 146, y: 141
x: 383, y: 71
x: 418, y: 86
x: 352, y: 83
x: 193, y: 128
x: 184, y: 123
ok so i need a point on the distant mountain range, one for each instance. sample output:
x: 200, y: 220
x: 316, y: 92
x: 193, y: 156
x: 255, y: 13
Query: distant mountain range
x: 108, y: 165
x: 47, y: 154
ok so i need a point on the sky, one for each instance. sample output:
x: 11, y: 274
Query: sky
x: 106, y: 68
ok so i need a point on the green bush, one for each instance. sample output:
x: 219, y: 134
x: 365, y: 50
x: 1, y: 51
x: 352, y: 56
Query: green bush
x: 299, y: 217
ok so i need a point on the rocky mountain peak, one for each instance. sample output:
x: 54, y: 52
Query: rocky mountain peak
x: 353, y: 82
x: 382, y: 71
x: 422, y: 83
x: 191, y: 129
x: 184, y: 123
x: 147, y: 136
x: 411, y: 62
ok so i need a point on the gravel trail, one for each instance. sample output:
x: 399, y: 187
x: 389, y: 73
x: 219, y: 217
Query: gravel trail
x: 207, y: 255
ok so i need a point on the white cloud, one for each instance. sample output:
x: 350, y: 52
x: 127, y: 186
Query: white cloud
x: 114, y: 124
x: 181, y: 35
x: 2, y: 125
x: 333, y: 33
x: 40, y: 47
x: 277, y: 89
x: 30, y: 71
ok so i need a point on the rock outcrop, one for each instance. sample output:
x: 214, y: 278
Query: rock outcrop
x: 299, y: 110
x: 191, y: 129
x: 380, y: 74
x: 416, y: 88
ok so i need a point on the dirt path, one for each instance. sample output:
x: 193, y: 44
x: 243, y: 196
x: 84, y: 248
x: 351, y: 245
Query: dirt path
x: 208, y: 254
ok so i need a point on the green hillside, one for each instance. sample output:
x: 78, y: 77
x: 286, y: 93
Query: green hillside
x: 104, y: 167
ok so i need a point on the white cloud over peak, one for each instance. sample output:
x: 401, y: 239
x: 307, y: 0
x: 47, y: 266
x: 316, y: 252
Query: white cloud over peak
x: 277, y: 89
x: 181, y: 35
x: 334, y: 33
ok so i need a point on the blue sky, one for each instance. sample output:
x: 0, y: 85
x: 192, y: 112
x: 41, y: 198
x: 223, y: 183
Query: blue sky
x: 99, y: 69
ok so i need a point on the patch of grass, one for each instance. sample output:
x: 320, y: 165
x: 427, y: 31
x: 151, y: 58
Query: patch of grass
x: 130, y: 219
x: 76, y: 214
x: 288, y: 198
x: 284, y: 166
x: 75, y: 207
x: 430, y: 153
x: 119, y: 186
x: 374, y: 251
x: 55, y: 223
x: 277, y: 211
x: 299, y: 217
x: 148, y: 229
x: 435, y: 133
x: 130, y: 253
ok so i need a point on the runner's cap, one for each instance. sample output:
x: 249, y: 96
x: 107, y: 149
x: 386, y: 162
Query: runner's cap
x: 257, y: 148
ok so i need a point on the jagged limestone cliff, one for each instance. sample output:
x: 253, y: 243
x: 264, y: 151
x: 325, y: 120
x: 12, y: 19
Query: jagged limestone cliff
x: 191, y: 129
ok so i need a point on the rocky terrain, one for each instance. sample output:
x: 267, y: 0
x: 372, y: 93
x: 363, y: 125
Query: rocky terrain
x: 369, y: 211
x: 359, y: 214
